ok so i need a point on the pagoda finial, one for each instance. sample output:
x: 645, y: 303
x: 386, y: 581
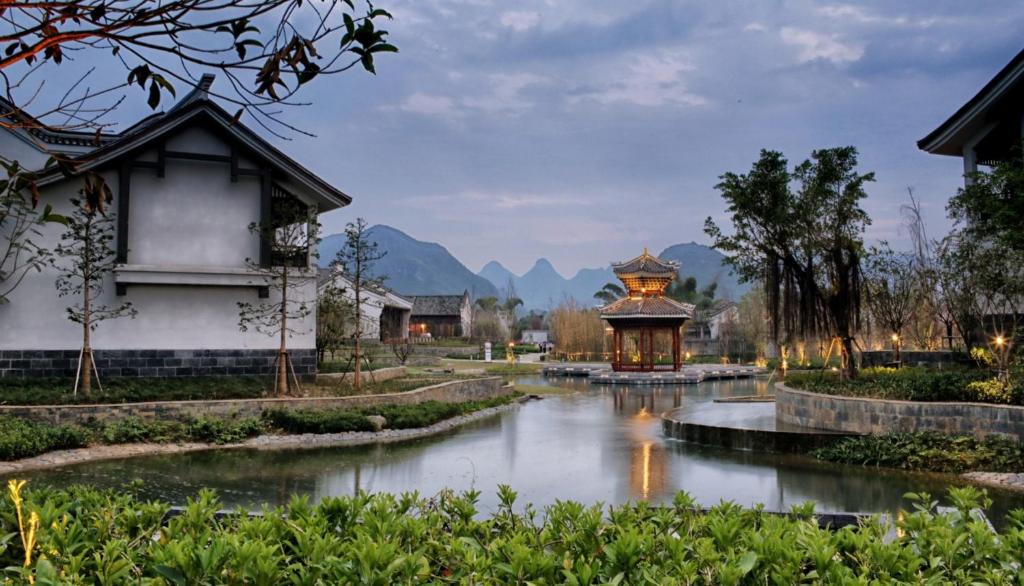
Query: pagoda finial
x: 645, y: 252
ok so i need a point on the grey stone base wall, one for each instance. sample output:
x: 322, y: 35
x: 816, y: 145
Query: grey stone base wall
x: 458, y: 391
x: 152, y: 363
x: 927, y: 359
x: 879, y: 416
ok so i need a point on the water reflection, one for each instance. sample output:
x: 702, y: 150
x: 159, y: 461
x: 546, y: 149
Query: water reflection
x: 601, y: 444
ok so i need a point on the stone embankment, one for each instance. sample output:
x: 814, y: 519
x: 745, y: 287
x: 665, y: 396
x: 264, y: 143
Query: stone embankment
x: 457, y: 391
x: 263, y: 442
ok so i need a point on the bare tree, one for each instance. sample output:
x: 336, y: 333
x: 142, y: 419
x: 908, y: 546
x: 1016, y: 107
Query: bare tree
x: 356, y: 259
x: 291, y: 238
x: 891, y: 285
x: 267, y: 49
x: 86, y: 259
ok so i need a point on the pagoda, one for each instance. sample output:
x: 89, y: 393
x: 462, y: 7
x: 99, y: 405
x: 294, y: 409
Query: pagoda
x: 646, y: 325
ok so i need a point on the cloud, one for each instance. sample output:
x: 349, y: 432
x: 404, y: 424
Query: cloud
x: 755, y: 27
x: 520, y: 20
x: 505, y: 93
x: 816, y: 46
x: 429, y: 105
x: 649, y: 80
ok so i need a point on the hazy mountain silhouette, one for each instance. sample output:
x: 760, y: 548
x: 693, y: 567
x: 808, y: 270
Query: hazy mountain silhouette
x: 414, y: 267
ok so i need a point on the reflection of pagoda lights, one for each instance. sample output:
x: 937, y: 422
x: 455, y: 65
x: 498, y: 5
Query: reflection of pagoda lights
x: 645, y: 490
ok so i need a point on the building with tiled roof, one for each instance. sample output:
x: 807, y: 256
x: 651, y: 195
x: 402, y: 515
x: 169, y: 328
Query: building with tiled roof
x: 441, y: 316
x: 645, y: 324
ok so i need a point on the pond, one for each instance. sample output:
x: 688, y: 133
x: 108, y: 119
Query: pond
x: 593, y: 443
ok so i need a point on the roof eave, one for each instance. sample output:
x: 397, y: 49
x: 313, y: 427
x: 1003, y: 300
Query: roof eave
x: 939, y: 141
x: 332, y: 197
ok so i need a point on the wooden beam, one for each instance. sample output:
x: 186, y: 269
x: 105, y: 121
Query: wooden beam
x: 161, y: 159
x: 124, y: 182
x: 234, y: 166
x: 265, y: 219
x: 197, y: 156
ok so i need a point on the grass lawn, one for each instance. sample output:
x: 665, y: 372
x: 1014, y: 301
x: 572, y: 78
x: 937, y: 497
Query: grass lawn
x: 543, y: 390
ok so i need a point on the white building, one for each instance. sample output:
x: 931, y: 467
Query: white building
x: 384, y: 313
x: 187, y: 185
x: 535, y: 336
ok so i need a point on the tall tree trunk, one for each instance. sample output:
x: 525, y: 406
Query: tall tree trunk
x: 359, y: 331
x: 849, y: 365
x: 86, y: 333
x: 282, y: 354
x: 87, y: 312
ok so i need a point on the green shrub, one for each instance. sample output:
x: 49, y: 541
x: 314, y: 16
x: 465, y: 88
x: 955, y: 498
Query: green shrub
x: 929, y: 451
x: 22, y: 438
x: 101, y: 537
x: 907, y: 384
x: 317, y: 421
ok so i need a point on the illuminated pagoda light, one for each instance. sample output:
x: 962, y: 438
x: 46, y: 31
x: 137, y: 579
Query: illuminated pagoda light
x: 645, y: 323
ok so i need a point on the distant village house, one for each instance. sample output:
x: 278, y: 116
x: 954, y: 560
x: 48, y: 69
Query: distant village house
x: 385, y: 314
x: 441, y: 316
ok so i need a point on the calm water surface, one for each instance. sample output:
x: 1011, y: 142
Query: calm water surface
x: 597, y: 444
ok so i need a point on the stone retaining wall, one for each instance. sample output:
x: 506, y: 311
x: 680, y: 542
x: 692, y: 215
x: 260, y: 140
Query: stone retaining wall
x: 880, y: 416
x: 458, y: 391
x: 379, y: 375
x: 928, y: 359
x: 153, y: 363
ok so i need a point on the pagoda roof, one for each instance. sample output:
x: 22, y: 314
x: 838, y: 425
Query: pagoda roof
x: 647, y: 307
x: 647, y: 264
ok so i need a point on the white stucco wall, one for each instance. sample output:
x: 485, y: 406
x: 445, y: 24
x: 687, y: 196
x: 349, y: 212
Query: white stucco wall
x: 193, y: 217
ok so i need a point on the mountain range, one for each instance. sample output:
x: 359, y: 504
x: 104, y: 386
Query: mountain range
x: 414, y: 267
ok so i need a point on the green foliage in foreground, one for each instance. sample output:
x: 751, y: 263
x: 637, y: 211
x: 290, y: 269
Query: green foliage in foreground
x: 398, y: 416
x: 22, y: 438
x: 934, y: 452
x: 89, y: 536
x: 909, y: 384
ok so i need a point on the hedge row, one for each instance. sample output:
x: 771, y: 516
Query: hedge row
x: 84, y: 536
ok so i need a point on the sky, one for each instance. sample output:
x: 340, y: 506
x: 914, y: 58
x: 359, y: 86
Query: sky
x: 584, y: 130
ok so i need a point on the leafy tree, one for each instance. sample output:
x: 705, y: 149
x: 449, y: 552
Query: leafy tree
x: 290, y: 237
x: 685, y: 290
x: 800, y: 231
x: 890, y: 280
x: 20, y: 222
x: 268, y: 50
x: 489, y: 303
x: 610, y: 293
x: 356, y: 259
x: 333, y: 314
x: 85, y: 260
x: 986, y: 247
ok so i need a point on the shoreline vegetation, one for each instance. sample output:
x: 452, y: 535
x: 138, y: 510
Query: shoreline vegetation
x: 81, y: 534
x: 23, y: 438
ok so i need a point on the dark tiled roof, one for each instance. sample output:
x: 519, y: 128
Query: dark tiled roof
x: 948, y: 138
x: 647, y: 264
x: 647, y: 307
x: 436, y: 304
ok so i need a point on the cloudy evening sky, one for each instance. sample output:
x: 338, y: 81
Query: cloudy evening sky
x: 581, y: 131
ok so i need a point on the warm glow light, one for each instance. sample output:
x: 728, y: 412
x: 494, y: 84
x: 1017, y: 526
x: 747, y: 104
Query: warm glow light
x: 1000, y: 341
x: 895, y: 337
x: 646, y: 484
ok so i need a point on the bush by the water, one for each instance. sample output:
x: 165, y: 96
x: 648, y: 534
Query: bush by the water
x: 929, y: 451
x: 85, y: 536
x: 397, y: 416
x: 912, y: 384
x: 21, y: 438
